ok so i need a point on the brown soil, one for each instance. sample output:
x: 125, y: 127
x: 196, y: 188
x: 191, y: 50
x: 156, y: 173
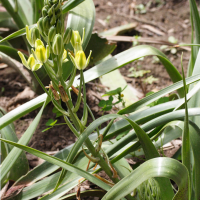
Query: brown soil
x: 172, y: 18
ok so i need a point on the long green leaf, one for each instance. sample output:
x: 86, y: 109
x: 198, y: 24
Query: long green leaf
x: 70, y: 5
x: 151, y: 98
x: 61, y: 163
x: 12, y: 52
x: 186, y: 160
x: 194, y: 142
x: 21, y: 166
x: 37, y: 6
x: 23, y: 16
x: 151, y: 152
x: 15, y: 153
x: 157, y: 167
x: 176, y: 115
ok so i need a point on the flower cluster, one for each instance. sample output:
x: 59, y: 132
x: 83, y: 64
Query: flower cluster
x: 51, y: 27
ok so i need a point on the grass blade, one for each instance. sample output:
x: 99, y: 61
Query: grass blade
x: 186, y: 136
x: 21, y: 166
x: 70, y: 5
x: 61, y: 163
x: 15, y: 153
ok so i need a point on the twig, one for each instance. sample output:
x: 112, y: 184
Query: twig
x: 141, y: 20
x: 143, y: 39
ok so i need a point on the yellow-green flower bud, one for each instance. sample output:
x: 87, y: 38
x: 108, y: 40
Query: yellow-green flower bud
x: 41, y: 53
x: 34, y: 66
x: 67, y: 35
x: 80, y: 59
x: 52, y: 33
x: 58, y: 46
x: 31, y: 64
x: 75, y: 38
x: 32, y: 35
x: 64, y: 57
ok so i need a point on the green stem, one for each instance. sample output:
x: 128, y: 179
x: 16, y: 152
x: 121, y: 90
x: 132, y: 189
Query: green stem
x: 108, y: 128
x: 85, y: 111
x: 71, y: 80
x: 41, y: 84
x: 78, y: 102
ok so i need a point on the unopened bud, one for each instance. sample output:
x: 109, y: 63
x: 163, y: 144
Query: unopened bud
x: 40, y: 25
x: 41, y: 53
x: 45, y: 11
x: 75, y: 38
x: 80, y: 59
x: 53, y: 19
x: 63, y: 94
x: 32, y: 35
x: 51, y: 11
x: 35, y: 34
x: 67, y: 35
x: 52, y: 33
x: 46, y: 24
x: 59, y: 27
x: 58, y: 46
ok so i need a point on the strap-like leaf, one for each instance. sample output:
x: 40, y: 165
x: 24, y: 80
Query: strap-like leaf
x: 157, y: 167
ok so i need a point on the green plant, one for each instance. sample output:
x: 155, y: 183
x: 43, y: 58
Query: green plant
x: 108, y: 104
x: 139, y: 74
x: 160, y: 123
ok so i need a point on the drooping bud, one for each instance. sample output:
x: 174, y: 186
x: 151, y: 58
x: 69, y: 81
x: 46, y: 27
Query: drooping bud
x: 58, y: 13
x: 45, y: 11
x: 55, y: 93
x: 59, y: 27
x: 58, y: 46
x: 52, y: 33
x: 40, y: 25
x: 67, y: 35
x: 32, y: 35
x: 51, y: 11
x: 46, y: 24
x: 41, y: 53
x: 63, y: 94
x: 53, y: 19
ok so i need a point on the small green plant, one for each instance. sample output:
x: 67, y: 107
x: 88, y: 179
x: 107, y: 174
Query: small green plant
x: 166, y: 48
x: 139, y: 74
x: 107, y: 105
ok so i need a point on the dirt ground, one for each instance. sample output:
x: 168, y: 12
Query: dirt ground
x: 164, y: 19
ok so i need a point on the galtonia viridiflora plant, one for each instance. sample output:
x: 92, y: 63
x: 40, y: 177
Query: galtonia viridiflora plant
x: 51, y: 55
